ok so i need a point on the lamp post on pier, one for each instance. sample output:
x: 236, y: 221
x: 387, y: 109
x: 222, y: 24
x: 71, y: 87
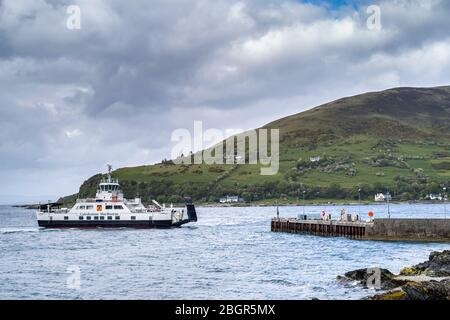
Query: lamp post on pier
x: 388, y: 198
x: 444, y: 199
x: 359, y: 201
x: 304, y: 192
x: 278, y: 211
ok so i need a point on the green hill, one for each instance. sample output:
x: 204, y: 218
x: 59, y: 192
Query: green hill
x: 397, y: 139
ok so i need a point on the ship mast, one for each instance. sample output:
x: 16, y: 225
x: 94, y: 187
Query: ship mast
x: 109, y: 172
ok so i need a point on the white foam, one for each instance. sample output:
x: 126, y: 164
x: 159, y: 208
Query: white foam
x: 17, y: 230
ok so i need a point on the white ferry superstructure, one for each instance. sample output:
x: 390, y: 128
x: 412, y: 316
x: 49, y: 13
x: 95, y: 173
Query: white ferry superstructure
x: 109, y: 209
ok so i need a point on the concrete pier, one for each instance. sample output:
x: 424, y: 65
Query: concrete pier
x: 410, y: 229
x: 379, y: 229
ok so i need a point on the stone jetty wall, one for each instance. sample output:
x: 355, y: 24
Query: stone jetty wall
x: 409, y: 229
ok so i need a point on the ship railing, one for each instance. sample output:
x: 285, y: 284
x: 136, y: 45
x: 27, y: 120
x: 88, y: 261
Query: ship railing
x: 54, y: 210
x: 139, y: 211
x: 62, y: 210
x: 89, y: 200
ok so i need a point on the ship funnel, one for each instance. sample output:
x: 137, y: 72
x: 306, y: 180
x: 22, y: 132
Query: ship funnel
x: 192, y: 214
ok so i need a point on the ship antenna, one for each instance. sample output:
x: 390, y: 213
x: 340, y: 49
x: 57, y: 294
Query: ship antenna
x: 109, y: 172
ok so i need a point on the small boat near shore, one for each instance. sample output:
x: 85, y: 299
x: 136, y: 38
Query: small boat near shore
x: 109, y: 209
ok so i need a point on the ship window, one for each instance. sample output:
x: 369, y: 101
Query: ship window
x: 133, y: 218
x: 108, y: 207
x: 81, y: 217
x: 82, y: 207
x: 109, y: 218
x: 89, y: 207
x: 66, y: 218
x: 117, y: 218
x: 88, y: 218
x: 118, y: 207
x: 102, y: 218
x: 95, y: 218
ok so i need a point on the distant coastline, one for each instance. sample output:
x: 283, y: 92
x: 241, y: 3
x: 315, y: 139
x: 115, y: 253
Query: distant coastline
x: 25, y: 206
x: 275, y: 202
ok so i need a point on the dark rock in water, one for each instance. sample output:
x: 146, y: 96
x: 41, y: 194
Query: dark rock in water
x: 364, y: 276
x: 430, y: 290
x: 438, y: 265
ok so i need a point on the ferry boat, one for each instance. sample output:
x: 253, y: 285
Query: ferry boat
x: 109, y: 209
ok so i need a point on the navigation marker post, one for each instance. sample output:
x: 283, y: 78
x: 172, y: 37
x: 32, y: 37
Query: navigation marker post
x: 304, y: 204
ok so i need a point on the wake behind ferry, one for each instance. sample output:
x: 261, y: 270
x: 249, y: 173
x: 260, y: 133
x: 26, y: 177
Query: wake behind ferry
x: 109, y: 209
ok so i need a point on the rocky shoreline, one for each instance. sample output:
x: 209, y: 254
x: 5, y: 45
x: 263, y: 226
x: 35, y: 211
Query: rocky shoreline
x: 429, y: 280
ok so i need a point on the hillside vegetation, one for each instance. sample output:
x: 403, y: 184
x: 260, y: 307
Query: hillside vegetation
x: 397, y: 139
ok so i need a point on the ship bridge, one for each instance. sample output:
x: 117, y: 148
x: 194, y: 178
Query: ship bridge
x: 109, y: 188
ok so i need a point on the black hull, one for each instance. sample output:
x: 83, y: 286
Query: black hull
x: 109, y: 224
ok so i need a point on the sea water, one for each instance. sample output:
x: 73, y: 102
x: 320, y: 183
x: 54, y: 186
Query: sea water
x: 229, y: 253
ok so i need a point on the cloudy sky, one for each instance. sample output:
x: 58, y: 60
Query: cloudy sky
x: 113, y: 91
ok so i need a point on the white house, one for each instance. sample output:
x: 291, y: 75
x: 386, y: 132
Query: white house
x: 381, y: 197
x: 230, y: 199
x: 233, y: 158
x: 437, y: 197
x: 314, y: 159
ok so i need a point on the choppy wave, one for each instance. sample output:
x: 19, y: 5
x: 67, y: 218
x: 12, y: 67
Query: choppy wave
x: 280, y: 282
x: 229, y: 254
x: 17, y: 230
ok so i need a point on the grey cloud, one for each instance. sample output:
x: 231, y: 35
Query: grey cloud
x: 114, y: 90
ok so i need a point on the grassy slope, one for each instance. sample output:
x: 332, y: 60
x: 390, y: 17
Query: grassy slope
x: 249, y: 174
x: 415, y: 121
